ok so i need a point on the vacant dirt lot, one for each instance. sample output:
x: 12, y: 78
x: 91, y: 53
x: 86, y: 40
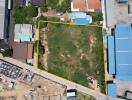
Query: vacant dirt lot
x: 75, y: 52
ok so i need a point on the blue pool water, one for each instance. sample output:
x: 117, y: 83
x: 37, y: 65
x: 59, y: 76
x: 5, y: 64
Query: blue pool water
x: 81, y: 21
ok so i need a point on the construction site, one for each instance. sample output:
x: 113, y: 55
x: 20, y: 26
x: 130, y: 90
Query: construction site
x: 27, y: 85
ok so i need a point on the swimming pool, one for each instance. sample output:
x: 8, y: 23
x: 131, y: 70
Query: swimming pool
x: 81, y: 21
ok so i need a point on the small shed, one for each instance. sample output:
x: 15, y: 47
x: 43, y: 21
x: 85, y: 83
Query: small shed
x: 112, y: 90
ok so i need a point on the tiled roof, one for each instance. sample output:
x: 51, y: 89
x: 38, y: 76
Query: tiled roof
x: 94, y: 4
x: 83, y: 5
x: 23, y: 32
x: 79, y: 4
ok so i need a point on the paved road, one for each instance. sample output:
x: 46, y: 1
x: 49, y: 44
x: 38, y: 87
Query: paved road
x: 69, y: 84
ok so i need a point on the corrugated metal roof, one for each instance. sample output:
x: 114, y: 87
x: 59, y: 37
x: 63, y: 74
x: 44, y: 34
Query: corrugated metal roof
x: 110, y: 13
x: 123, y: 47
x: 23, y: 32
x: 122, y: 53
x: 111, y: 55
x: 112, y: 90
x: 2, y: 17
x: 20, y: 51
x: 124, y: 77
x: 123, y: 1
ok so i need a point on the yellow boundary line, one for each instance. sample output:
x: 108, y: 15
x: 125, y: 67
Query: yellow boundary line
x: 105, y: 67
x: 65, y: 23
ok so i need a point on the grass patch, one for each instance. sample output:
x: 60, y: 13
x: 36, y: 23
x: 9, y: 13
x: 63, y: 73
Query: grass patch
x: 76, y: 52
x: 81, y: 96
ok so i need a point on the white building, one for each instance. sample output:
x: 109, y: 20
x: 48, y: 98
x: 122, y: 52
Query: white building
x: 23, y: 33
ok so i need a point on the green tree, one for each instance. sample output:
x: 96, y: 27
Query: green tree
x: 52, y: 3
x: 25, y: 14
x: 35, y: 45
x: 65, y: 6
x: 41, y: 24
x: 55, y: 19
x: 61, y: 7
x: 41, y: 48
x: 44, y: 8
x: 100, y: 16
x: 7, y: 53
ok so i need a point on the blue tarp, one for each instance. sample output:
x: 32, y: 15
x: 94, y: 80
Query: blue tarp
x: 112, y: 90
x: 111, y: 55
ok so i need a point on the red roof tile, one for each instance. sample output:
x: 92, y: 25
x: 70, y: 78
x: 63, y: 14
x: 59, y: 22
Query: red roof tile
x: 94, y: 4
x: 79, y: 4
x: 83, y: 4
